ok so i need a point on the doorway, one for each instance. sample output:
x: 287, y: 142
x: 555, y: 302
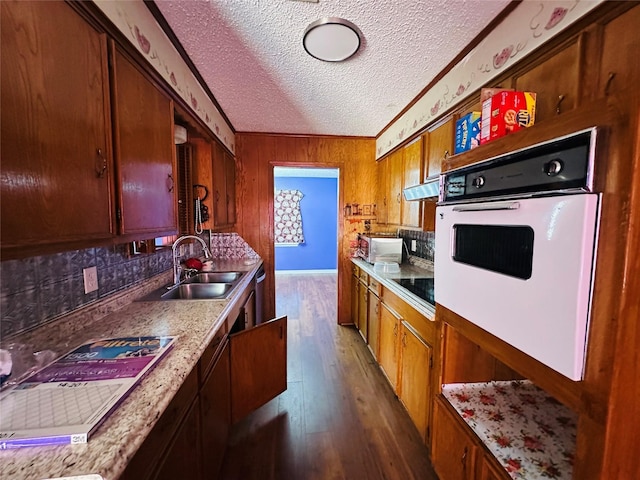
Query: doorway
x: 306, y: 201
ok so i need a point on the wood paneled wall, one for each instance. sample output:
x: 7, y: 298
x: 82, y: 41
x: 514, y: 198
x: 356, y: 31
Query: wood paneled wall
x: 257, y: 154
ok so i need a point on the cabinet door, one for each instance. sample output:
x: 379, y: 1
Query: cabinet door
x: 620, y: 54
x: 258, y: 366
x: 452, y: 449
x: 415, y: 374
x: 219, y: 186
x: 143, y: 122
x: 374, y: 324
x: 488, y: 471
x: 355, y: 299
x: 363, y: 311
x: 556, y: 82
x: 230, y: 182
x: 182, y: 460
x: 203, y: 175
x: 439, y: 147
x: 395, y: 187
x: 412, y: 174
x: 382, y: 197
x: 56, y: 180
x: 215, y: 408
x: 389, y: 334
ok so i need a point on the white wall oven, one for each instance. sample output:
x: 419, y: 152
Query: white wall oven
x: 515, y: 247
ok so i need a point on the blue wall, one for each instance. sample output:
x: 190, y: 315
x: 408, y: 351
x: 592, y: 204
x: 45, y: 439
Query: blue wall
x: 319, y: 208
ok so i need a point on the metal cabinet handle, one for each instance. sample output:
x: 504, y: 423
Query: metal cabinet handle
x: 404, y: 339
x: 101, y: 165
x: 395, y: 330
x: 560, y: 100
x: 170, y: 183
x: 446, y: 154
x: 464, y: 458
x: 398, y: 198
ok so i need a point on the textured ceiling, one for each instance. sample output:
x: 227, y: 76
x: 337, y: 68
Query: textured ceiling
x: 250, y: 54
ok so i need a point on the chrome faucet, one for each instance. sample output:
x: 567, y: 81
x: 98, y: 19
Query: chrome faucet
x: 176, y: 263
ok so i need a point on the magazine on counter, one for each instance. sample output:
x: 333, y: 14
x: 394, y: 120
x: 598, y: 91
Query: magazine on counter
x: 65, y: 402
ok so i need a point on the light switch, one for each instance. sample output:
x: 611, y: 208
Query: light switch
x: 414, y: 245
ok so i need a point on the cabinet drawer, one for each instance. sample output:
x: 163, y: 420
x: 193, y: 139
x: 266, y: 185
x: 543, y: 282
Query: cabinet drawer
x: 364, y: 277
x: 375, y: 287
x: 355, y: 270
x: 423, y: 326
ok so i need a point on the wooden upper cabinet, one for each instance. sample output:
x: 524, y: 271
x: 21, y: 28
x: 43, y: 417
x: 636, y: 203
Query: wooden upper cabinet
x: 230, y: 181
x: 382, y: 197
x: 412, y: 175
x: 556, y: 82
x: 56, y: 179
x: 203, y: 176
x: 145, y: 152
x: 620, y: 68
x: 439, y: 147
x: 224, y: 178
x: 394, y: 196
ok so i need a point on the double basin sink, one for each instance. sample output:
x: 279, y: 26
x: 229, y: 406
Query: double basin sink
x: 202, y: 286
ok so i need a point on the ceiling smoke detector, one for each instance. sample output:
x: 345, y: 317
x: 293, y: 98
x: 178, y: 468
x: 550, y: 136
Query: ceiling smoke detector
x: 332, y: 39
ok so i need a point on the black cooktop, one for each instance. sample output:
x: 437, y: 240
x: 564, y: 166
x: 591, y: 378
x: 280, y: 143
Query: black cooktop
x: 421, y: 287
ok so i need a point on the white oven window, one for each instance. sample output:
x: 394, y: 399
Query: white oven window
x: 502, y: 249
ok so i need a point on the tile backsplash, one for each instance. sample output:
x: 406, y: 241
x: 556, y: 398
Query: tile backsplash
x: 36, y: 290
x: 425, y: 244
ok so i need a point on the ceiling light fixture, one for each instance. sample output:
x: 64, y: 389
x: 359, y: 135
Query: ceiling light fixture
x: 332, y: 39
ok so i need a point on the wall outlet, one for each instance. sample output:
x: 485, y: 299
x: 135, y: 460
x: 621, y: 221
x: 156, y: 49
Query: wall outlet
x: 414, y: 245
x: 90, y: 279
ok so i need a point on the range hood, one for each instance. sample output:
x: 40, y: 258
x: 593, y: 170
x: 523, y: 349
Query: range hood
x: 429, y: 190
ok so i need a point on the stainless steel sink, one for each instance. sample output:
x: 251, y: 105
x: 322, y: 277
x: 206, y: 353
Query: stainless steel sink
x: 214, y: 277
x: 198, y: 291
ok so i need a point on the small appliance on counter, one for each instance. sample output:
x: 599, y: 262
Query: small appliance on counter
x: 376, y: 247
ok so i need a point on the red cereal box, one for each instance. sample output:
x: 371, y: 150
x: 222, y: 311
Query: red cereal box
x: 507, y: 112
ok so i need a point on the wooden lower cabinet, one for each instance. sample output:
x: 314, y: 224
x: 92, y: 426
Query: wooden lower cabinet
x: 452, y: 450
x: 189, y: 439
x: 215, y: 410
x: 389, y: 331
x: 355, y: 286
x: 456, y: 453
x: 258, y: 366
x: 183, y: 458
x: 414, y: 389
x: 374, y: 324
x: 363, y: 310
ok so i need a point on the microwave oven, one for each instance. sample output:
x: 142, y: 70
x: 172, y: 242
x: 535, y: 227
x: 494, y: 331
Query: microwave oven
x: 380, y: 249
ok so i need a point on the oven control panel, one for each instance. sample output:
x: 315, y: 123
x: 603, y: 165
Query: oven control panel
x: 563, y: 164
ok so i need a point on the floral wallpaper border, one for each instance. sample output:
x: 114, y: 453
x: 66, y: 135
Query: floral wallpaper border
x: 526, y: 28
x: 136, y: 22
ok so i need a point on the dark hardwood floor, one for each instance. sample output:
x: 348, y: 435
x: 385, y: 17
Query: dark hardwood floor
x: 339, y: 418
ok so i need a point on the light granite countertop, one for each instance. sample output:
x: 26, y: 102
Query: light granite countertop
x: 407, y: 270
x: 116, y: 441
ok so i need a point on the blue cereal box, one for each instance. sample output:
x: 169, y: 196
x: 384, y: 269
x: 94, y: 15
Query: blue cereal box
x: 467, y: 132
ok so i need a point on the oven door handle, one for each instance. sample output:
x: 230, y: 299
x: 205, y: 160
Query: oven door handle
x: 487, y: 206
